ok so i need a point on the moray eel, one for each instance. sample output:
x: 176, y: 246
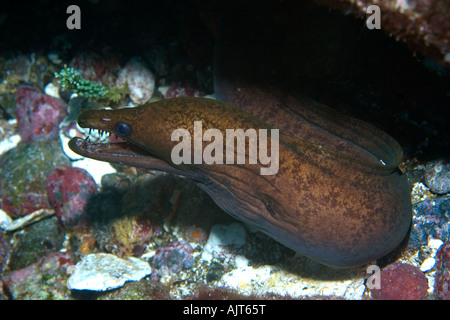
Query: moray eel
x: 337, y: 195
x: 343, y: 206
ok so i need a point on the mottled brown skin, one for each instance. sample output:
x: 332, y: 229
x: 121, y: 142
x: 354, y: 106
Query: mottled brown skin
x: 338, y: 196
x: 340, y: 210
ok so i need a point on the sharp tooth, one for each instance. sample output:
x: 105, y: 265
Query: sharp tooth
x: 85, y: 141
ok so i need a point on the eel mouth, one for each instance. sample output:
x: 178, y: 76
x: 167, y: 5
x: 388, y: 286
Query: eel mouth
x: 107, y: 150
x: 123, y: 152
x: 99, y: 150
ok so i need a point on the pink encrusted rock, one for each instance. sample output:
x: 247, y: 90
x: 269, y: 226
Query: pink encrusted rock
x: 38, y: 115
x: 183, y: 90
x: 442, y: 278
x: 98, y: 67
x: 68, y: 191
x: 171, y: 258
x: 401, y: 281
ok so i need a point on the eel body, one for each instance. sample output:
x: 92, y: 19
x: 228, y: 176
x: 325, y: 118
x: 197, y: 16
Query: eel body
x: 336, y: 196
x: 340, y: 209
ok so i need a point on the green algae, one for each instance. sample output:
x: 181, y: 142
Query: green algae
x: 70, y: 79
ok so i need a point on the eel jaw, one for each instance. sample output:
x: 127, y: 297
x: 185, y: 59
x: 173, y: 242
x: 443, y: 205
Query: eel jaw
x: 106, y: 151
x: 123, y: 153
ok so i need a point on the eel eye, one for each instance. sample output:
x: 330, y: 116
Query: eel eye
x: 122, y: 129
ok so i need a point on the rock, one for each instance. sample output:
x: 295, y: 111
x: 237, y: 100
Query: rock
x: 139, y: 79
x: 23, y: 172
x: 18, y: 68
x: 97, y: 67
x: 42, y: 280
x: 183, y: 90
x: 171, y: 258
x: 430, y: 220
x: 68, y: 191
x: 39, y: 239
x: 437, y: 177
x: 102, y: 271
x: 8, y: 137
x: 4, y: 251
x: 221, y: 237
x: 442, y: 278
x: 401, y: 281
x: 422, y: 25
x: 38, y: 115
x: 8, y: 224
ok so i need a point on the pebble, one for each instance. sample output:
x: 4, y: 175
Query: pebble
x: 401, y: 281
x: 430, y: 221
x: 52, y: 90
x: 103, y: 271
x: 442, y: 278
x: 68, y: 191
x: 8, y: 137
x: 437, y: 177
x: 139, y: 79
x: 427, y: 264
x: 7, y: 224
x: 183, y: 90
x: 35, y: 242
x: 221, y: 237
x: 23, y: 173
x: 42, y: 280
x: 38, y: 114
x: 171, y: 258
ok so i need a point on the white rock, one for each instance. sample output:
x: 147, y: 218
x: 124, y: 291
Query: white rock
x: 9, y: 143
x: 97, y: 169
x: 241, y: 262
x: 52, y: 90
x: 139, y: 79
x: 7, y: 224
x: 222, y: 236
x: 65, y: 147
x: 427, y: 264
x: 435, y: 244
x: 5, y: 220
x: 103, y: 271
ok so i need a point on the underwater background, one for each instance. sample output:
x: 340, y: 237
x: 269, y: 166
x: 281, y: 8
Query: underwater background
x: 75, y: 228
